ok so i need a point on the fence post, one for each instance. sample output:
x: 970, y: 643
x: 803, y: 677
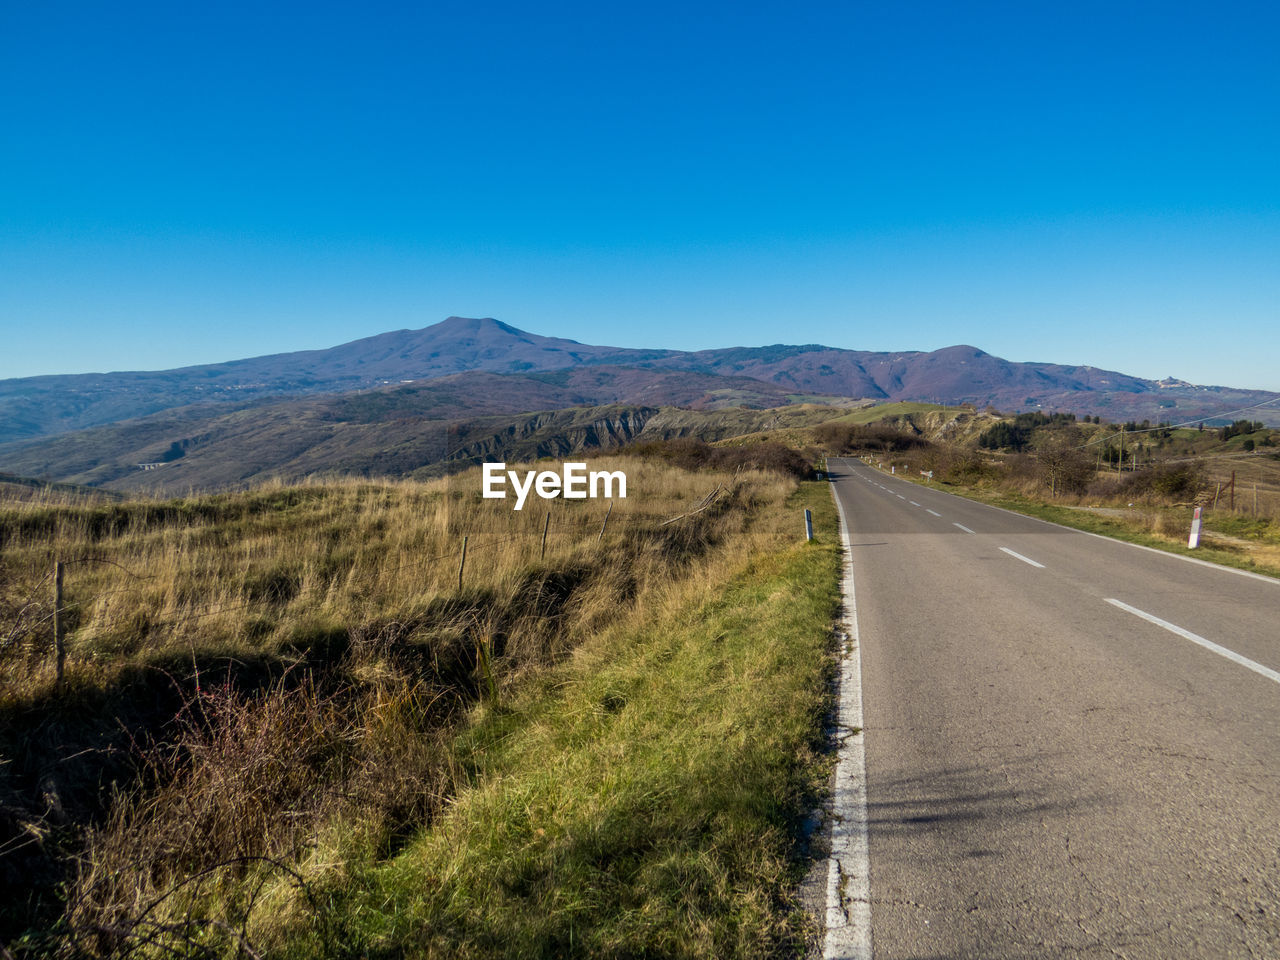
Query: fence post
x: 606, y: 522
x: 59, y: 648
x: 808, y: 524
x: 462, y: 563
x: 545, y: 527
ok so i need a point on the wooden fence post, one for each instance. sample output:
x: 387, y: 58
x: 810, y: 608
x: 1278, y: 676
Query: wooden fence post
x: 463, y: 562
x: 606, y: 522
x: 545, y: 527
x: 59, y: 648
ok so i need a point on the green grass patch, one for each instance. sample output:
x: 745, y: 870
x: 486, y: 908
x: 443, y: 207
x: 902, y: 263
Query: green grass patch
x: 641, y: 799
x: 1260, y: 529
x: 899, y: 409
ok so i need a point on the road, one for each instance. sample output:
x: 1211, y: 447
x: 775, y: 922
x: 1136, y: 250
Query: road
x: 1062, y: 759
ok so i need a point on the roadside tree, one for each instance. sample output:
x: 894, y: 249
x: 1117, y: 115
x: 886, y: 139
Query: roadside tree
x: 1064, y: 465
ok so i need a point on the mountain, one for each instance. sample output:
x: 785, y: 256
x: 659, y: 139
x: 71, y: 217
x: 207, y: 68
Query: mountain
x: 386, y: 431
x: 41, y: 406
x: 37, y: 406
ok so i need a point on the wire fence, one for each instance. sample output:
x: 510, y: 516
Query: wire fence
x: 48, y: 618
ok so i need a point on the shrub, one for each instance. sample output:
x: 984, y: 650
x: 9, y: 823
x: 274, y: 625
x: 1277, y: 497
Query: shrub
x: 1016, y: 436
x: 839, y: 439
x: 1064, y: 466
x: 966, y: 466
x: 1180, y: 481
x: 1004, y: 436
x: 1241, y: 427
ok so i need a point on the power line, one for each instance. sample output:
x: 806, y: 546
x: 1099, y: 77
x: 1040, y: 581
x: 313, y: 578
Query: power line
x: 1187, y: 423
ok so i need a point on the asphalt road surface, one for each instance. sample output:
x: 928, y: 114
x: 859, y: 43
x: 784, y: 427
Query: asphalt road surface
x: 1062, y: 757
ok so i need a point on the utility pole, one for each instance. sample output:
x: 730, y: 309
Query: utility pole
x: 1120, y: 462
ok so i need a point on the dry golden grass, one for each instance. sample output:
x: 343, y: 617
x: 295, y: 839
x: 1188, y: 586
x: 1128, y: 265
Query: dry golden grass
x: 1252, y: 472
x: 242, y: 571
x: 256, y: 670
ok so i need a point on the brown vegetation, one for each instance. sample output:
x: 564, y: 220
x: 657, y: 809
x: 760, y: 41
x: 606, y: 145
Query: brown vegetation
x: 247, y: 671
x: 692, y: 454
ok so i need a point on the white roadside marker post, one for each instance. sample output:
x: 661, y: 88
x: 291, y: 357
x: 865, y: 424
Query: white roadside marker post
x: 808, y: 524
x: 1194, y: 540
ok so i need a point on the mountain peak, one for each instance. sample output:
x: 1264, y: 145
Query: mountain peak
x: 470, y: 324
x: 961, y: 349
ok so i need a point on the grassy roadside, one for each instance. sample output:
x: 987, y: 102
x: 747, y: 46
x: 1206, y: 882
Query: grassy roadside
x: 642, y: 799
x: 1128, y: 529
x: 286, y: 730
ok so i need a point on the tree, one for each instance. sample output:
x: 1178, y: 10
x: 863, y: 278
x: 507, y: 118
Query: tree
x: 1063, y: 464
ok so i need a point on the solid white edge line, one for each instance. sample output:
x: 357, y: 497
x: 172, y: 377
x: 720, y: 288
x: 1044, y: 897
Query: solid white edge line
x: 1022, y: 558
x: 1101, y: 536
x: 1195, y: 638
x: 848, y: 921
x: 962, y: 527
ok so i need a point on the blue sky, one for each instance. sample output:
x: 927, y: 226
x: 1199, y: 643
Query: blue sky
x: 1079, y: 183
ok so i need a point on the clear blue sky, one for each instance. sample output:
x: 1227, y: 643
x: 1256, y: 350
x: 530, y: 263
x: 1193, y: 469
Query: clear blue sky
x: 1073, y: 182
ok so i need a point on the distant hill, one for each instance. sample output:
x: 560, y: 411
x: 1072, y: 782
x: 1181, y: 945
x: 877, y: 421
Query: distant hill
x: 758, y: 376
x: 14, y: 489
x: 392, y: 431
x: 38, y: 406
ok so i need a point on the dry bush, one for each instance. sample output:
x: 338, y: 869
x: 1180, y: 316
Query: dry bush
x: 1171, y: 483
x: 1064, y: 465
x: 964, y: 466
x: 1105, y: 487
x: 840, y: 439
x: 240, y: 791
x: 1168, y: 483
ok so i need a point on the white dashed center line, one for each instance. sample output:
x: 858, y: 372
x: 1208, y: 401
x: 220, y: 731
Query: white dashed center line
x: 1194, y: 638
x: 934, y: 512
x: 1022, y: 558
x: 962, y: 527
